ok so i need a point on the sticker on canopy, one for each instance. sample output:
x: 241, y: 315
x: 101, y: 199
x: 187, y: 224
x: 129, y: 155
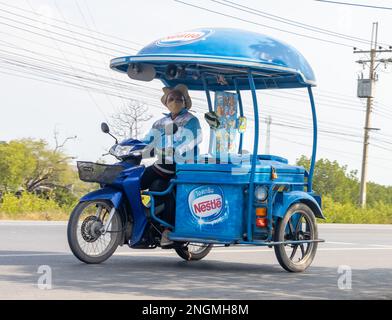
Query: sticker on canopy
x: 182, y: 38
x: 207, y: 204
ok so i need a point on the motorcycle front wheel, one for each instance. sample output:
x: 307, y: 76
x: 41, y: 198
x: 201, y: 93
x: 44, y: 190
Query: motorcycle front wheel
x: 89, y: 237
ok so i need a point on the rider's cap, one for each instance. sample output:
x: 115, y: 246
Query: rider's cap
x: 180, y: 88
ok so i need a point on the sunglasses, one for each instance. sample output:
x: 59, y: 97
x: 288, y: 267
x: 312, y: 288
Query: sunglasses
x: 176, y: 98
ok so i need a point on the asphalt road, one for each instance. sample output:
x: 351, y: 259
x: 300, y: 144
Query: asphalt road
x: 226, y: 273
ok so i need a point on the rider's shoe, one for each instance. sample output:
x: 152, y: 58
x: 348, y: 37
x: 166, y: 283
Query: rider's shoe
x: 165, y: 242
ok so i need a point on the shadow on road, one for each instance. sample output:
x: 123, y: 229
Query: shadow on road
x: 169, y: 277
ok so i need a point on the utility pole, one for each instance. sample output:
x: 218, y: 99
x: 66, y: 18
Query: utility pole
x: 268, y: 135
x: 366, y: 90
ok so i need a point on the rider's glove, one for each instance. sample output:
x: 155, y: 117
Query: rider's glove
x: 166, y: 154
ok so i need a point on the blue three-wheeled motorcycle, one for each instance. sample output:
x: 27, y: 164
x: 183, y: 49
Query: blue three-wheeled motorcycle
x: 225, y: 197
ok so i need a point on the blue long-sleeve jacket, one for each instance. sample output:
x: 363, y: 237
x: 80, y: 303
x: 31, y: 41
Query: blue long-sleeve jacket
x: 185, y: 141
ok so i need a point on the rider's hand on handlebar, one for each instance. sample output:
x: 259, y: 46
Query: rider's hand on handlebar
x: 168, y: 152
x: 163, y: 153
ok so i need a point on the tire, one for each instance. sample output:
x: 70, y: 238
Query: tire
x: 89, y: 234
x: 193, y: 251
x: 285, y: 230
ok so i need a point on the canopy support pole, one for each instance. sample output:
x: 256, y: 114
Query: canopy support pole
x: 251, y: 212
x: 314, y: 149
x: 208, y: 95
x: 241, y: 113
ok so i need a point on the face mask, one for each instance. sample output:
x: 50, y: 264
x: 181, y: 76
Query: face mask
x: 175, y: 107
x: 175, y: 104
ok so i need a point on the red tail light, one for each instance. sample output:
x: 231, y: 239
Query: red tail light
x: 261, y: 220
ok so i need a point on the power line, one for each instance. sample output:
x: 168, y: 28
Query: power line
x: 41, y: 35
x: 125, y: 83
x: 96, y: 29
x: 67, y: 29
x: 290, y: 22
x: 339, y: 152
x: 98, y: 48
x: 281, y: 124
x: 56, y: 33
x: 263, y: 25
x: 30, y: 40
x: 355, y: 4
x: 71, y: 24
x: 149, y: 88
x: 65, y: 58
x: 99, y: 52
x: 135, y: 49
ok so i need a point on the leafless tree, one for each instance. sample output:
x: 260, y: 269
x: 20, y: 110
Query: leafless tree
x: 126, y: 122
x: 60, y: 145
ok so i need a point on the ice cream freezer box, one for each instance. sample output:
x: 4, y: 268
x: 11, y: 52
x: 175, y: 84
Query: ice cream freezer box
x: 211, y: 199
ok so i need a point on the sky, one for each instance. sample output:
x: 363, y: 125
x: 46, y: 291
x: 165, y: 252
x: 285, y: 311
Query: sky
x: 81, y: 36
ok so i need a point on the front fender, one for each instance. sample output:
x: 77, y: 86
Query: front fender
x: 107, y: 193
x: 289, y: 198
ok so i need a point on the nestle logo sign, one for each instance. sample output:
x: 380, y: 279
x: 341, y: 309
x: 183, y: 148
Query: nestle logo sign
x: 206, y: 202
x: 207, y: 207
x: 182, y: 38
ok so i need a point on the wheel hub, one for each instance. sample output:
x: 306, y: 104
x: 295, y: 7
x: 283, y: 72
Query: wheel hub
x: 90, y: 229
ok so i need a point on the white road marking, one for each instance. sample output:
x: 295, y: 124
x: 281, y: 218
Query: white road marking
x: 33, y: 255
x: 349, y: 249
x: 354, y: 226
x: 21, y: 223
x: 380, y: 245
x: 343, y: 243
x: 319, y: 249
x: 320, y: 225
x: 159, y: 253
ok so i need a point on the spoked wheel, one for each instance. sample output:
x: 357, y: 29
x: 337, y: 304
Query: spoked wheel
x: 191, y: 251
x: 299, y: 223
x: 89, y: 237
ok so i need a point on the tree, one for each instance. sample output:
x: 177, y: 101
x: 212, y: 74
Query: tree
x: 126, y: 123
x: 32, y: 165
x: 332, y: 179
x: 52, y: 169
x: 16, y: 162
x: 378, y: 194
x: 49, y: 166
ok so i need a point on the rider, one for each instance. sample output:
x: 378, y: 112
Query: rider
x: 179, y: 145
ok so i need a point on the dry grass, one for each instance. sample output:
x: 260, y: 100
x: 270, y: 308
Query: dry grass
x: 36, y: 216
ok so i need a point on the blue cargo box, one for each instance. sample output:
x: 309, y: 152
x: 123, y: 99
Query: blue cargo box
x: 210, y: 198
x: 209, y: 211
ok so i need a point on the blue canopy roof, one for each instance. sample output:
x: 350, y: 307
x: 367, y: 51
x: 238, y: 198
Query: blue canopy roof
x: 221, y: 57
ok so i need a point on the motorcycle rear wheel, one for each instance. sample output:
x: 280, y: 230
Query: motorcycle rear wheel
x: 296, y: 257
x: 193, y: 251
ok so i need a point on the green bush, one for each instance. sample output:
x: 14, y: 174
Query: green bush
x: 335, y: 212
x: 63, y: 197
x: 31, y: 207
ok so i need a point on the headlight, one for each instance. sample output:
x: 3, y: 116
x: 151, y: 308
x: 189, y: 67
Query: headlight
x: 121, y: 151
x: 136, y: 153
x: 261, y: 193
